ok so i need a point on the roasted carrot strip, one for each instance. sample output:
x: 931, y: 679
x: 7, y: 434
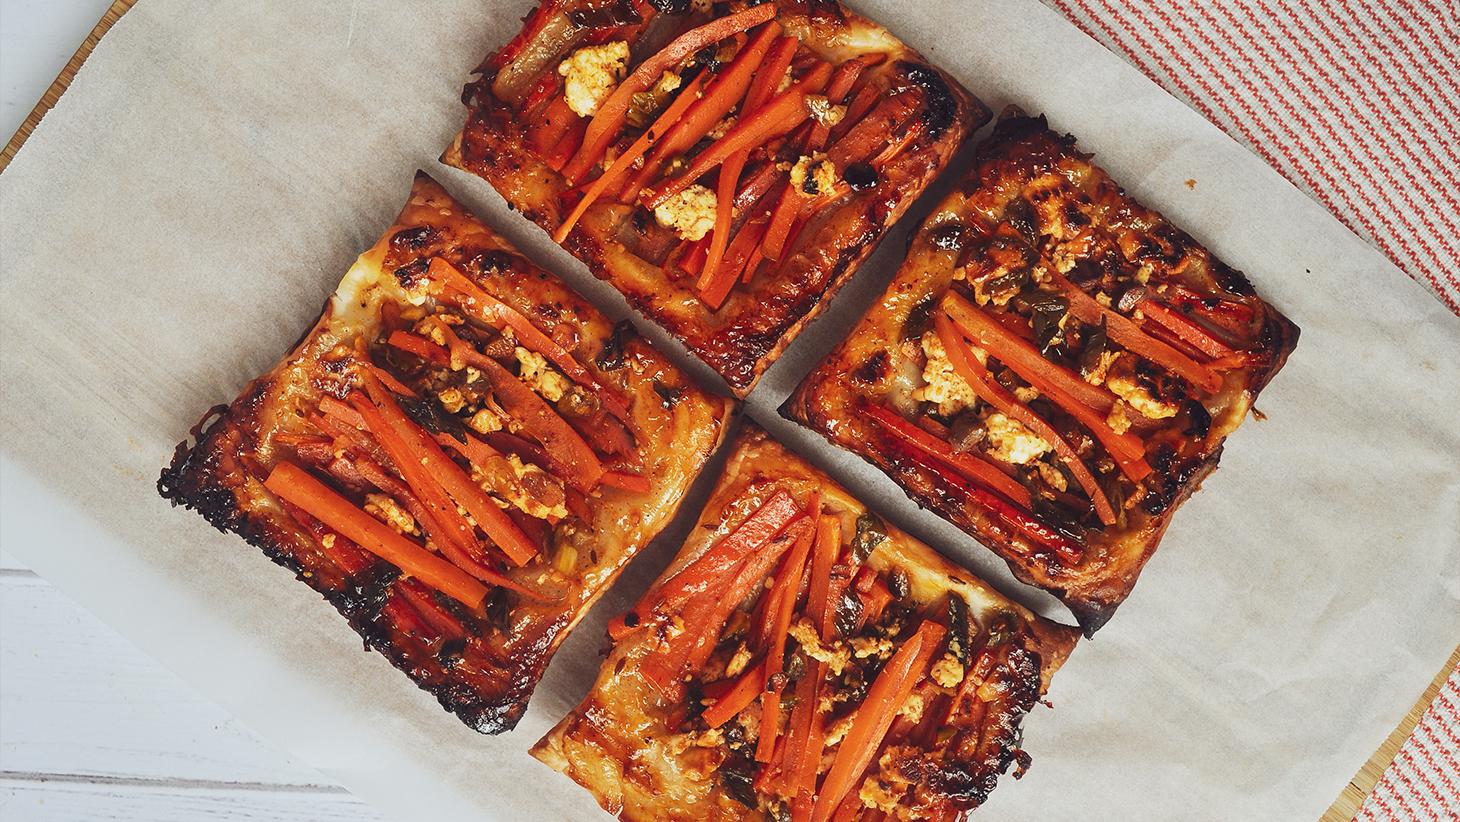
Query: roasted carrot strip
x: 787, y: 585
x: 769, y: 74
x: 420, y: 599
x: 498, y: 313
x: 727, y: 90
x: 724, y: 213
x: 875, y: 715
x: 969, y: 465
x: 571, y: 455
x: 315, y: 498
x: 779, y: 116
x: 615, y: 173
x: 973, y: 372
x: 798, y: 769
x: 1016, y: 518
x: 1187, y: 330
x: 768, y: 520
x: 705, y: 614
x: 476, y: 452
x: 420, y: 346
x: 819, y: 605
x: 567, y: 146
x: 518, y: 548
x: 1126, y: 333
x: 717, y: 288
x: 1059, y: 384
x: 556, y: 121
x: 609, y: 120
x: 749, y: 686
x: 440, y: 517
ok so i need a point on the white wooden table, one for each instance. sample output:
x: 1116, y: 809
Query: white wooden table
x: 90, y: 727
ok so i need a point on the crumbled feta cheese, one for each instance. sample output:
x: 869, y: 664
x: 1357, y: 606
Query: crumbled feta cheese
x: 912, y: 708
x: 738, y: 662
x: 871, y: 646
x: 1138, y: 397
x: 540, y: 377
x: 388, y: 511
x: 530, y: 489
x: 691, y: 213
x: 1116, y: 419
x: 1053, y: 476
x: 452, y: 400
x: 723, y: 127
x: 836, y: 657
x: 1013, y: 443
x: 591, y: 74
x: 813, y: 176
x: 947, y: 672
x: 944, y: 387
x: 485, y: 421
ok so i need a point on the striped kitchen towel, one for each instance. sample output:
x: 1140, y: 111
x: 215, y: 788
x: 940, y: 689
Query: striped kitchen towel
x: 1423, y: 782
x: 1356, y: 103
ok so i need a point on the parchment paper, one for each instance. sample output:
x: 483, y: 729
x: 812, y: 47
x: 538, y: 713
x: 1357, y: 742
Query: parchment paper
x: 176, y: 221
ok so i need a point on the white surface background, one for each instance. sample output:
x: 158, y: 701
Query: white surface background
x: 1297, y: 653
x: 91, y: 727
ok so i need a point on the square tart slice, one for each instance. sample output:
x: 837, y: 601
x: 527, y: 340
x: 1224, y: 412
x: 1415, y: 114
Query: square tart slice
x: 460, y: 456
x: 802, y: 660
x: 726, y: 167
x: 1054, y: 368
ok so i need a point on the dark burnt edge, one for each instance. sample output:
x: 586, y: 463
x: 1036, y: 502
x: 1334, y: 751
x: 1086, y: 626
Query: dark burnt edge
x: 190, y: 481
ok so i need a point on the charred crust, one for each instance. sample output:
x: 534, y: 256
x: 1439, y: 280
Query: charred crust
x: 941, y: 105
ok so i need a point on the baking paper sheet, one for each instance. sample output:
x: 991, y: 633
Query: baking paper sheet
x: 177, y: 220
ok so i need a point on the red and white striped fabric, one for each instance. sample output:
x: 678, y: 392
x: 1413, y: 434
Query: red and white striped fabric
x: 1423, y: 783
x: 1357, y: 103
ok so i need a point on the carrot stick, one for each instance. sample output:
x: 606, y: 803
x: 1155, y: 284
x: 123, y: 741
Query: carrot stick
x: 976, y: 375
x: 749, y: 686
x: 779, y: 116
x: 609, y: 120
x: 442, y: 521
x: 571, y: 455
x: 1187, y: 330
x: 818, y: 597
x: 718, y: 288
x: 1126, y: 333
x: 557, y: 119
x: 768, y: 520
x: 1018, y: 353
x: 420, y: 346
x: 615, y: 172
x: 724, y: 213
x: 875, y: 715
x: 498, y: 313
x: 769, y: 74
x: 969, y: 465
x: 291, y: 483
x: 1017, y: 518
x: 728, y: 89
x: 502, y: 531
x: 1081, y: 399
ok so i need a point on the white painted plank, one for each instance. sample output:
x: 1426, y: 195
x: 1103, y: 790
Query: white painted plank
x: 53, y: 800
x: 88, y: 722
